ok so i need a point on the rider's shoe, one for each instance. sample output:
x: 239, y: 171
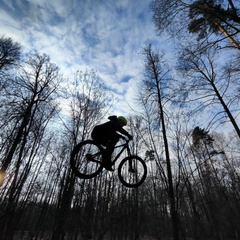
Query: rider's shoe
x: 107, y: 164
x: 108, y: 167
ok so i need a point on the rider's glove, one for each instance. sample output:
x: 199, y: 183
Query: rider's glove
x: 130, y: 137
x: 122, y: 137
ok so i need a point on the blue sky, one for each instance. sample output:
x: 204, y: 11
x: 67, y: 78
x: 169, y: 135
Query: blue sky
x: 105, y: 35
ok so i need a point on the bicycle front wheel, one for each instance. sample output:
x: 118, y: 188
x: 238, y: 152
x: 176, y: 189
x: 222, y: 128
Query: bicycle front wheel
x: 132, y: 171
x: 85, y: 159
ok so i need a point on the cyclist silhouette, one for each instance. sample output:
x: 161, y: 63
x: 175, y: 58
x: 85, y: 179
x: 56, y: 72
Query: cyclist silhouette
x: 106, y: 135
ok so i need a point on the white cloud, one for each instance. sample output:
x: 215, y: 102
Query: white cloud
x: 107, y: 36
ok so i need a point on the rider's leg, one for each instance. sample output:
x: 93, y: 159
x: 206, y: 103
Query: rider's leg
x: 109, y: 141
x: 109, y: 150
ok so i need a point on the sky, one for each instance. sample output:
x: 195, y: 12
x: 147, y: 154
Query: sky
x: 105, y: 35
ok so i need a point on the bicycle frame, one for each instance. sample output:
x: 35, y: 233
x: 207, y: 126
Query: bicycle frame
x: 124, y: 146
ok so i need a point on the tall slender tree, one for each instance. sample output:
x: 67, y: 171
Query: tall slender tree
x: 154, y: 89
x: 30, y: 106
x: 209, y: 85
x: 88, y: 103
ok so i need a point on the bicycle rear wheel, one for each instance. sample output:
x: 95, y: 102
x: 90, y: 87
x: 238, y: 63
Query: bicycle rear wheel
x: 86, y: 159
x: 132, y: 171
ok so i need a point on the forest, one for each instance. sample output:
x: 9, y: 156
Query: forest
x: 187, y: 131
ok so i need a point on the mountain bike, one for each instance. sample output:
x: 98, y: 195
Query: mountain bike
x: 86, y: 163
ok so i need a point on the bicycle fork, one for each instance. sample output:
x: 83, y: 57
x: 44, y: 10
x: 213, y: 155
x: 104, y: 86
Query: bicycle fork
x: 131, y: 168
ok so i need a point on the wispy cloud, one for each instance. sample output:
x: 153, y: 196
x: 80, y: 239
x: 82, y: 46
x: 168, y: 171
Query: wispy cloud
x: 105, y: 35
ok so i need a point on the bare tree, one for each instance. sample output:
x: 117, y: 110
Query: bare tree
x: 10, y: 53
x: 88, y: 102
x: 211, y: 85
x: 29, y: 94
x: 29, y: 105
x: 154, y: 88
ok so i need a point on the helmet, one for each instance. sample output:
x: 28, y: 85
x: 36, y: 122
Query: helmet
x: 122, y: 120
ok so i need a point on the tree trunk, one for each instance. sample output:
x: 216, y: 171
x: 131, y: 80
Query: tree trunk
x: 225, y: 107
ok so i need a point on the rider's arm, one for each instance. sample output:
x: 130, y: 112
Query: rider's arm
x: 124, y: 132
x: 114, y: 124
